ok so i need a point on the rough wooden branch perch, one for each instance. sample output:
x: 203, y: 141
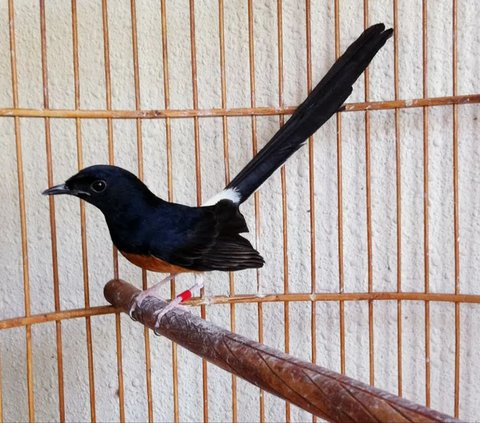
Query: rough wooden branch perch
x: 322, y: 392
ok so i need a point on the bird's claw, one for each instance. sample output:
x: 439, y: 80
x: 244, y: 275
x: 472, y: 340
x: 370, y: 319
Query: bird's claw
x: 173, y: 304
x: 136, y: 303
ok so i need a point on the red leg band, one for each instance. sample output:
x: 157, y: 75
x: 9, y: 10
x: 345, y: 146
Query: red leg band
x: 185, y: 295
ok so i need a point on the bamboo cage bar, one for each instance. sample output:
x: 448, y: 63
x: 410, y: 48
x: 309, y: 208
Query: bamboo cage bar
x: 426, y: 221
x: 256, y: 195
x: 283, y: 181
x: 83, y: 218
x: 253, y: 298
x: 398, y: 200
x: 138, y: 129
x: 111, y: 160
x: 456, y: 224
x: 324, y: 393
x: 311, y: 188
x: 226, y: 160
x: 198, y: 177
x: 229, y: 112
x: 368, y: 200
x: 341, y: 279
x: 22, y: 214
x: 53, y: 232
x: 170, y: 197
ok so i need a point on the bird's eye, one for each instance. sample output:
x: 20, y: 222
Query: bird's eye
x: 98, y: 186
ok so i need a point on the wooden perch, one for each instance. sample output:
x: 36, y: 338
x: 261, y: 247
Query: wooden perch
x: 324, y: 393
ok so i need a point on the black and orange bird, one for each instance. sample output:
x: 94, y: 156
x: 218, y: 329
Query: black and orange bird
x: 173, y: 238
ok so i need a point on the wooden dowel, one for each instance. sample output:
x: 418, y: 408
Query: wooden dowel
x: 16, y: 322
x: 241, y: 111
x: 319, y: 391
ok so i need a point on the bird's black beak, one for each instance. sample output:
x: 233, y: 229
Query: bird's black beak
x: 57, y: 189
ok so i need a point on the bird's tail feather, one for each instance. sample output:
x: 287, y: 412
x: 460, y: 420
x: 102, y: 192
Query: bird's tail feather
x: 324, y: 101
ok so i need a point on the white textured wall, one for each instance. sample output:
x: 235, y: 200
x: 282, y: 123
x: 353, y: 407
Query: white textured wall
x: 94, y: 138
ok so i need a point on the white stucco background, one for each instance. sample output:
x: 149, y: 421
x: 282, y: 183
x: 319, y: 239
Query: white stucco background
x: 99, y: 253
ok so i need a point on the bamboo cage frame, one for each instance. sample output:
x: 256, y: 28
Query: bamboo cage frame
x: 58, y: 315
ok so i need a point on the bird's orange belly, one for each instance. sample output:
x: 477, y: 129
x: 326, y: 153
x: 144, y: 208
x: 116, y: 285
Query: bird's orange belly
x: 153, y: 264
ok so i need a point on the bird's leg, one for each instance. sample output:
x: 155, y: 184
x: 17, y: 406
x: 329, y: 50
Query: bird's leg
x: 153, y: 291
x: 180, y: 298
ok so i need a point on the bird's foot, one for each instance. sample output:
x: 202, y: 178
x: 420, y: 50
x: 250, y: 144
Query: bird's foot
x: 175, y: 303
x: 153, y: 291
x: 137, y: 302
x: 180, y: 298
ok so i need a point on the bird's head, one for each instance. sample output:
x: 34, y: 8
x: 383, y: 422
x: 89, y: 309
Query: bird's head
x: 104, y: 186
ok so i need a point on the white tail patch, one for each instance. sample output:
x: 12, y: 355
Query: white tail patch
x: 231, y: 194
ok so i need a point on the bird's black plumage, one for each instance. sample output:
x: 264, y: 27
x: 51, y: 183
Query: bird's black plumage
x: 157, y: 234
x: 140, y: 223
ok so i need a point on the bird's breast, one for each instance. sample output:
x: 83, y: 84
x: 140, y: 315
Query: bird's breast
x: 153, y: 264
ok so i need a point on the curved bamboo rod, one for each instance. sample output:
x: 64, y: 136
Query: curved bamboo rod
x: 229, y: 112
x: 56, y: 316
x: 317, y: 390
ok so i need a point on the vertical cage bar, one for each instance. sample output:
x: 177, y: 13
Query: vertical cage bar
x: 168, y: 138
x: 53, y: 228
x: 22, y: 212
x: 198, y: 179
x: 193, y: 60
x: 121, y: 391
x: 341, y: 280
x: 368, y: 181
x: 86, y: 287
x: 283, y: 181
x: 456, y: 222
x: 138, y: 122
x: 166, y: 95
x: 261, y: 394
x: 223, y: 83
x: 251, y: 51
x: 398, y: 184
x: 426, y: 241
x: 251, y: 55
x: 111, y: 160
x: 311, y: 187
x: 108, y: 102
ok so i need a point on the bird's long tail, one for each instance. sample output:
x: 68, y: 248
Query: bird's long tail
x: 325, y: 99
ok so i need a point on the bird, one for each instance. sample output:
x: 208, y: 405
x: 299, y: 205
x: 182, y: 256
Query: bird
x: 173, y: 238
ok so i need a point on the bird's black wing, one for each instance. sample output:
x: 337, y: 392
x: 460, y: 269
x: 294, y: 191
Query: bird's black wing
x: 208, y: 238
